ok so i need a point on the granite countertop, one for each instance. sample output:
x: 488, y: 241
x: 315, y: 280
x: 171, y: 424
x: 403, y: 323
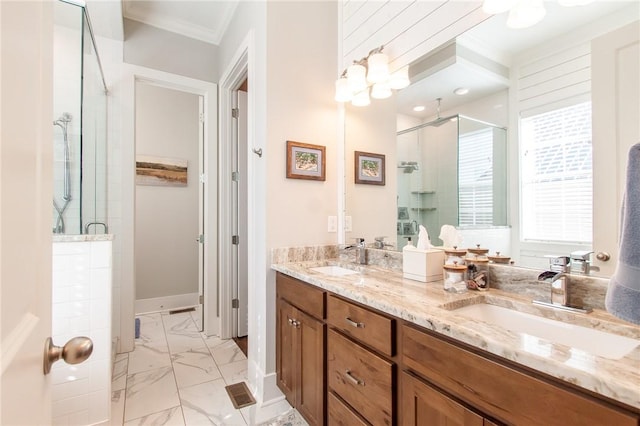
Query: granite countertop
x: 429, y: 306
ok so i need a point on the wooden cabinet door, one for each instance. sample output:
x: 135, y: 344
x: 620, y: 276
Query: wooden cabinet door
x: 424, y: 405
x: 286, y: 351
x: 311, y: 386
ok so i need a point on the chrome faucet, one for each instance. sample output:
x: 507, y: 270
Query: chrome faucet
x: 380, y: 243
x: 559, y: 284
x: 361, y: 251
x: 558, y: 276
x: 581, y: 263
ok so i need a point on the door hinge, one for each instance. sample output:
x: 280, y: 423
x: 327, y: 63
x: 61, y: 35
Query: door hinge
x: 235, y: 176
x: 201, y: 299
x: 203, y: 178
x: 201, y: 238
x: 201, y: 117
x: 235, y: 240
x: 235, y: 303
x: 235, y: 112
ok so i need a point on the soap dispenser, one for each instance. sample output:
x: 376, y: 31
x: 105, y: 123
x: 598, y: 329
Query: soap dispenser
x: 409, y: 245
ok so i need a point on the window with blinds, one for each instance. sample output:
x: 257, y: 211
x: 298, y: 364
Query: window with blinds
x: 556, y: 193
x: 475, y: 178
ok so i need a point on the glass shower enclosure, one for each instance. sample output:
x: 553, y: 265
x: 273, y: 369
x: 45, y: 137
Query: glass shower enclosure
x: 451, y: 171
x: 79, y: 126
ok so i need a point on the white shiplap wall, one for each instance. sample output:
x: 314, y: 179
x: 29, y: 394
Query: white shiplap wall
x: 407, y: 29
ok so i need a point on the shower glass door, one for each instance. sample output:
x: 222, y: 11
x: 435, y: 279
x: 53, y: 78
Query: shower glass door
x: 79, y: 126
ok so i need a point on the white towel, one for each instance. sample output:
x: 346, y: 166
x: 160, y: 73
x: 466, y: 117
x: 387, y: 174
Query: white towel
x: 450, y: 236
x: 623, y: 293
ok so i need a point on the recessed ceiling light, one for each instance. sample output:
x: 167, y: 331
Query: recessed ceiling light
x: 461, y: 91
x: 418, y: 108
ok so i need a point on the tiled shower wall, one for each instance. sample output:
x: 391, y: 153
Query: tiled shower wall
x: 81, y: 306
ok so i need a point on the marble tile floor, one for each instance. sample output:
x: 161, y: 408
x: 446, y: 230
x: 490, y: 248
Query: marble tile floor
x: 177, y: 376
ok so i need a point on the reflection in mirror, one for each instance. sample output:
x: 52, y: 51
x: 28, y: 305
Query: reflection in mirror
x: 513, y: 77
x: 451, y: 170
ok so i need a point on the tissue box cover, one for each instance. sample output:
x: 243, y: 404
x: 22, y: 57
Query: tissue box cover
x: 422, y: 265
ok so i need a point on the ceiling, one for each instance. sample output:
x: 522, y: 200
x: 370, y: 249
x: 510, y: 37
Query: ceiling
x: 202, y: 20
x: 491, y: 43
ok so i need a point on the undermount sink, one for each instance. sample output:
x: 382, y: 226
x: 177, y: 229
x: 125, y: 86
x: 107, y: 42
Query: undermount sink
x: 334, y: 271
x: 595, y: 342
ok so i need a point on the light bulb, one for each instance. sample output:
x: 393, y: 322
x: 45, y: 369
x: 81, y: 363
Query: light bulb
x: 400, y: 79
x: 356, y: 75
x: 378, y: 68
x: 526, y: 13
x: 343, y: 92
x: 380, y: 91
x: 361, y: 98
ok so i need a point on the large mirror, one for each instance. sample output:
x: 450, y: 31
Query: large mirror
x: 467, y: 158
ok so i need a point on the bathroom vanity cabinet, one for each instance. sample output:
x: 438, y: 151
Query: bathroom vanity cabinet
x: 300, y: 347
x: 359, y: 366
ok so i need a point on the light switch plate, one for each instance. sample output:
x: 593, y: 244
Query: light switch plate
x: 348, y: 224
x: 332, y: 224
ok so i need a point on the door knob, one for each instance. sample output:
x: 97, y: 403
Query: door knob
x: 74, y: 351
x: 603, y: 256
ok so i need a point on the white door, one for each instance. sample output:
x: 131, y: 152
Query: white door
x: 26, y: 172
x: 240, y: 321
x: 615, y: 62
x: 243, y: 261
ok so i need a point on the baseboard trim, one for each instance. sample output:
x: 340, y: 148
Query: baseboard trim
x: 166, y: 303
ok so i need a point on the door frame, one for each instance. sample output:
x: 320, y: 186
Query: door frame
x: 209, y: 91
x: 239, y: 69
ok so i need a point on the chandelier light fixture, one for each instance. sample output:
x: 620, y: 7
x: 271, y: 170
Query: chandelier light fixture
x: 524, y: 13
x: 369, y: 78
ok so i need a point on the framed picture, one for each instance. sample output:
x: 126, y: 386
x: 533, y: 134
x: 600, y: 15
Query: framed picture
x: 305, y: 161
x: 369, y: 168
x: 160, y: 171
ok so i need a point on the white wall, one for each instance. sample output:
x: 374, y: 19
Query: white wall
x: 163, y: 50
x: 166, y: 227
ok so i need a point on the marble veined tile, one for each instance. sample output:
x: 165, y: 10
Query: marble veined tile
x: 152, y: 332
x: 292, y: 418
x: 209, y: 404
x: 119, y: 373
x: 194, y: 367
x: 148, y: 357
x: 170, y: 417
x: 234, y: 372
x: 182, y: 322
x: 150, y: 392
x: 225, y: 351
x: 182, y: 334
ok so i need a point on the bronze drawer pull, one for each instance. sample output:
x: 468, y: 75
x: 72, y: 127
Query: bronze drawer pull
x: 353, y: 379
x: 355, y: 324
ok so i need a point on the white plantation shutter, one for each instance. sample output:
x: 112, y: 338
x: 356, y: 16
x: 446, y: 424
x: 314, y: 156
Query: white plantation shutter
x: 557, y: 175
x: 475, y: 178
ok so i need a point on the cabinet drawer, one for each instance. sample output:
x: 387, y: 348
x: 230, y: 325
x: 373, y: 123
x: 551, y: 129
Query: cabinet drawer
x: 370, y: 328
x: 364, y: 380
x: 304, y: 296
x: 341, y: 415
x: 501, y: 391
